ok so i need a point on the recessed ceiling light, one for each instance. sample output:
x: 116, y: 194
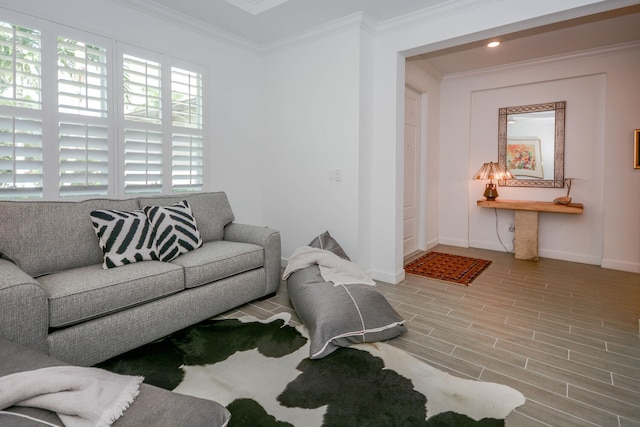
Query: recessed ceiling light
x: 493, y: 44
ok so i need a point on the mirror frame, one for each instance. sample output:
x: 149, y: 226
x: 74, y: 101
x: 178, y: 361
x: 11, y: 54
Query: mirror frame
x: 558, y: 156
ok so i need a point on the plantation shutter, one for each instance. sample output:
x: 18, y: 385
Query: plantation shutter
x: 83, y: 128
x: 21, y: 157
x: 143, y: 126
x: 186, y: 138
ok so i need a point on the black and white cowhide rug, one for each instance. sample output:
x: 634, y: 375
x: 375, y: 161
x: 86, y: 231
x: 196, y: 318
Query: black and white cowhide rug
x: 261, y: 371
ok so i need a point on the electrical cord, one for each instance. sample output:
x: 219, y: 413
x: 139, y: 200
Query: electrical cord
x: 498, y: 234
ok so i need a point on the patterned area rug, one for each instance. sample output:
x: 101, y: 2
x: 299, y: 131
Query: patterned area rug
x: 261, y: 372
x: 452, y: 268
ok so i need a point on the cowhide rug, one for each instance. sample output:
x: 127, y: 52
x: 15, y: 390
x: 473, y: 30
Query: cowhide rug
x: 260, y: 370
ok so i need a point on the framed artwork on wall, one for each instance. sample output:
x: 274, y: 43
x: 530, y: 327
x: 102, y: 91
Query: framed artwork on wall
x: 524, y: 157
x: 636, y: 149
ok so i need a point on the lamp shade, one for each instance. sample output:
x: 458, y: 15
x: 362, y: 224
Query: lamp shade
x: 492, y: 171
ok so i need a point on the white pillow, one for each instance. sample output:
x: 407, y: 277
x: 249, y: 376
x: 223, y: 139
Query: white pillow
x: 174, y: 229
x: 124, y: 236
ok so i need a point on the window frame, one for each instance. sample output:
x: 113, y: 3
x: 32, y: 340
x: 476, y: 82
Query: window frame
x: 17, y: 20
x: 50, y: 115
x: 110, y: 121
x: 166, y: 64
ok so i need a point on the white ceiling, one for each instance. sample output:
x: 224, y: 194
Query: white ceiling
x: 263, y: 22
x: 590, y: 32
x: 266, y: 21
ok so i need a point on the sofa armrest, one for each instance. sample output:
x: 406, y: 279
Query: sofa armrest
x: 24, y: 310
x: 266, y: 237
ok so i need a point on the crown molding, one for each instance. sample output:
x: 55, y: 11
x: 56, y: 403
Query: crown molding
x: 358, y: 20
x: 171, y: 16
x: 563, y: 57
x: 430, y: 14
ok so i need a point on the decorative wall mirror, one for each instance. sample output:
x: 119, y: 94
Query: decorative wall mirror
x: 531, y: 144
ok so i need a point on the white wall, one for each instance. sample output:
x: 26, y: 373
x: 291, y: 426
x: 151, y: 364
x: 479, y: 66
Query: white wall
x: 278, y: 123
x: 601, y: 94
x: 312, y: 125
x: 571, y: 237
x: 602, y: 100
x: 233, y: 109
x: 450, y: 29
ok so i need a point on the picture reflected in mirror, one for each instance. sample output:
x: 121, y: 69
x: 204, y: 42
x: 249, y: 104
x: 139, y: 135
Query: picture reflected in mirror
x: 531, y: 144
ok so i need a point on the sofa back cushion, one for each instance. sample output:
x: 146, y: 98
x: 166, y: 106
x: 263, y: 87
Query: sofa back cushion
x: 47, y: 237
x: 211, y: 211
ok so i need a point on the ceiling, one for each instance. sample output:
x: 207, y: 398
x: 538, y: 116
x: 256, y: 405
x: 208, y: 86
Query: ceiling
x: 589, y: 32
x: 264, y: 22
x: 267, y: 21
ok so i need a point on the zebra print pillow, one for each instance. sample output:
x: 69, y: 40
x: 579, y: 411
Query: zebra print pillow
x: 174, y: 228
x: 125, y: 237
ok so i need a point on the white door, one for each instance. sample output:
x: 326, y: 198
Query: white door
x: 412, y: 113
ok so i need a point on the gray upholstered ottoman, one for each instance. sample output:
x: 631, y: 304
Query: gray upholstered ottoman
x: 152, y: 407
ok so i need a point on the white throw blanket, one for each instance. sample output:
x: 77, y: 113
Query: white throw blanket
x: 80, y: 396
x: 332, y: 267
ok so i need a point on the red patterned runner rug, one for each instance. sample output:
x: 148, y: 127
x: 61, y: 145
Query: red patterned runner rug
x: 452, y: 268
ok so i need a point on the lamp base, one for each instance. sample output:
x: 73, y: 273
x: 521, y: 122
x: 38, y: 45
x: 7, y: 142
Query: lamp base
x: 491, y: 192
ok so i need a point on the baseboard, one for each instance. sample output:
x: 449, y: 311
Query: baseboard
x: 387, y: 277
x: 454, y: 242
x: 570, y: 256
x: 613, y: 264
x: 492, y: 246
x: 431, y: 243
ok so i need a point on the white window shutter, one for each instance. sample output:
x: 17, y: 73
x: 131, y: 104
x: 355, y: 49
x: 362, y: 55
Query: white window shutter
x: 187, y: 157
x: 155, y: 144
x: 142, y: 161
x: 83, y: 128
x: 84, y: 159
x: 143, y: 139
x: 21, y: 156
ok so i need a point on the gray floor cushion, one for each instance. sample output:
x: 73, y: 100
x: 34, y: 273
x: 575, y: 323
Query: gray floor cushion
x: 338, y: 316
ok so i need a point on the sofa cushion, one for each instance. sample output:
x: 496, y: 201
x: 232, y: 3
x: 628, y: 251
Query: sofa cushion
x: 217, y: 260
x: 125, y: 236
x: 45, y: 237
x: 174, y: 228
x: 83, y: 293
x: 211, y: 211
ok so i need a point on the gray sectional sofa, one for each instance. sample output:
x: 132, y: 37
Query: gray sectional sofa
x: 152, y: 407
x: 56, y: 297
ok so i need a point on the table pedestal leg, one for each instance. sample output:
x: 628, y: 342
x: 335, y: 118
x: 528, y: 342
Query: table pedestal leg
x: 526, y: 235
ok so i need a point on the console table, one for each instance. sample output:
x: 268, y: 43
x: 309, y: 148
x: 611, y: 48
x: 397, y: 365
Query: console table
x: 526, y: 212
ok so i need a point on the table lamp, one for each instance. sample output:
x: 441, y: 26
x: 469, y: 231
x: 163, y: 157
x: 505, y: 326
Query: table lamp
x: 492, y: 171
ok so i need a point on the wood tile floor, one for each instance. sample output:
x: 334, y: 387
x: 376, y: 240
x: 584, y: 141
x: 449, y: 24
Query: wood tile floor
x: 564, y: 334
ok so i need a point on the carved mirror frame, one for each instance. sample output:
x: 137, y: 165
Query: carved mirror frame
x: 558, y: 162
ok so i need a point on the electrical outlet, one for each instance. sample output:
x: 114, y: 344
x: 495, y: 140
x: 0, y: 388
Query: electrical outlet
x: 512, y: 228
